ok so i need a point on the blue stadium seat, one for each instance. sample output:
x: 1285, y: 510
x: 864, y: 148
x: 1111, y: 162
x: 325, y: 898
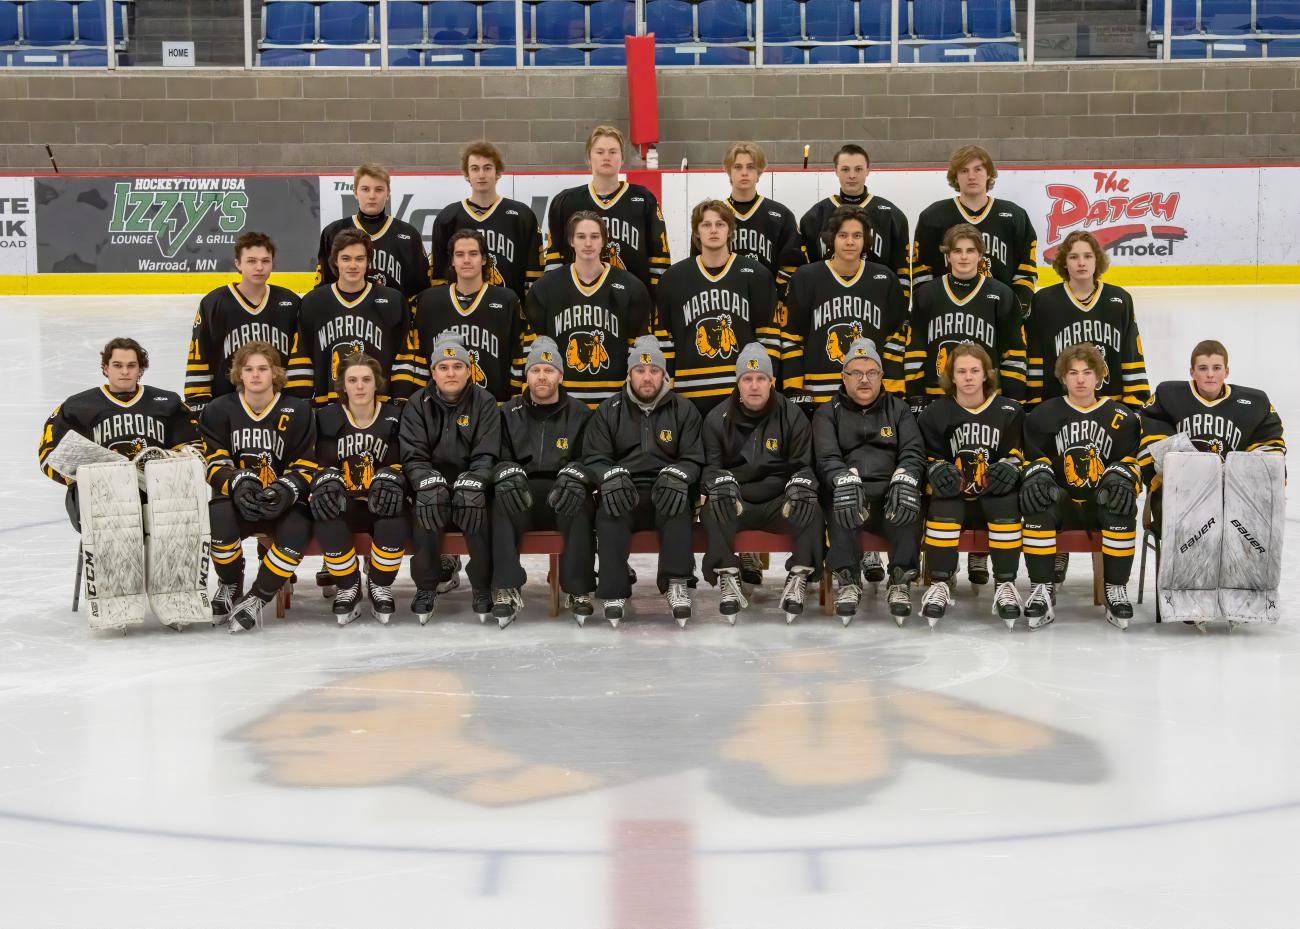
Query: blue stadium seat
x: 1182, y: 18
x: 836, y: 55
x: 343, y: 58
x: 945, y: 53
x: 725, y: 55
x: 830, y: 20
x: 399, y: 57
x: 936, y: 19
x: 783, y: 55
x: 990, y: 19
x: 405, y: 24
x: 289, y: 23
x: 560, y: 22
x: 669, y: 20
x: 88, y: 58
x: 499, y: 22
x: 873, y: 20
x: 451, y: 22
x: 37, y: 58
x: 8, y: 23
x: 1277, y: 16
x: 611, y: 57
x: 559, y: 58
x: 997, y: 51
x: 344, y: 22
x: 47, y: 22
x: 503, y: 56
x: 781, y: 21
x: 722, y: 21
x: 90, y: 23
x: 611, y: 20
x: 1190, y: 48
x: 1284, y: 48
x: 284, y: 58
x: 668, y: 56
x: 449, y: 57
x: 879, y: 54
x: 1226, y: 17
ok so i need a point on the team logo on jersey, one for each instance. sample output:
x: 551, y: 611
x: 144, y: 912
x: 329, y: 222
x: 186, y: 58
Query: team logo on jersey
x: 340, y: 353
x: 265, y: 473
x: 614, y: 255
x: 462, y: 420
x: 665, y: 435
x: 771, y: 445
x: 1209, y: 445
x: 1083, y: 465
x: 886, y: 432
x: 476, y: 374
x: 840, y: 338
x: 714, y: 337
x: 562, y: 442
x: 945, y: 352
x: 359, y: 476
x: 586, y: 351
x: 973, y: 465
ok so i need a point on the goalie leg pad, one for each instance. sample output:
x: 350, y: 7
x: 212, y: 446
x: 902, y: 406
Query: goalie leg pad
x: 112, y: 539
x: 1254, y: 523
x: 1191, y: 537
x: 178, y: 544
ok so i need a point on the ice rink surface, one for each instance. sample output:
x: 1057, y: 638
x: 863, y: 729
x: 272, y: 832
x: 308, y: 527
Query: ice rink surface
x: 758, y: 777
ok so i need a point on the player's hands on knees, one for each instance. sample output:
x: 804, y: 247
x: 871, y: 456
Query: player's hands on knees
x: 244, y: 490
x: 945, y: 479
x: 469, y: 503
x: 512, y: 491
x: 276, y: 498
x: 800, y: 504
x: 387, y: 494
x: 848, y: 501
x: 722, y: 496
x: 1038, y: 489
x: 329, y: 497
x: 618, y: 493
x: 432, y: 502
x: 1117, y: 491
x: 569, y: 492
x: 671, y: 491
x: 903, y: 499
x: 1002, y: 478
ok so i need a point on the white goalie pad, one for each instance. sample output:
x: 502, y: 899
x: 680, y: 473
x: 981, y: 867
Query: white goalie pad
x: 112, y: 541
x: 1178, y: 442
x: 177, y: 540
x: 1191, y: 537
x: 1254, y: 523
x: 75, y: 450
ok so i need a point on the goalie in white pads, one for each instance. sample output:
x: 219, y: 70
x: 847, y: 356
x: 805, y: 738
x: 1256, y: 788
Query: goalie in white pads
x: 87, y: 445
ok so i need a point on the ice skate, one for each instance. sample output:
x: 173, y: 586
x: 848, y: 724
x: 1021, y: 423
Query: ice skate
x: 422, y: 605
x: 325, y: 582
x: 506, y: 604
x: 678, y: 596
x: 733, y: 598
x: 1118, y: 610
x: 792, y: 595
x: 900, y: 593
x: 247, y: 615
x: 347, y: 604
x: 581, y: 606
x: 873, y: 572
x: 849, y: 596
x: 382, y: 605
x: 224, y: 600
x: 614, y: 611
x: 1006, y: 603
x: 1060, y: 567
x: 751, y: 569
x: 935, y: 602
x: 449, y: 566
x: 1040, y: 608
x: 482, y: 603
x: 977, y: 569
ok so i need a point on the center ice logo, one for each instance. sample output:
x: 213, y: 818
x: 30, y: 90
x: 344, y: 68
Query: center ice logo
x: 173, y: 217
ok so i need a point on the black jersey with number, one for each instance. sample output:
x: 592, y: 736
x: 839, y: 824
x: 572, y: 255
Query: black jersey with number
x: 705, y: 319
x: 974, y: 439
x: 399, y: 260
x: 593, y: 324
x: 766, y: 230
x: 333, y: 325
x: 358, y: 449
x: 635, y: 224
x: 279, y: 441
x: 490, y: 322
x: 224, y: 322
x: 513, y: 236
x: 1081, y: 443
x: 1010, y: 242
x: 887, y: 244
x: 822, y: 316
x: 948, y: 312
x: 149, y: 418
x: 1241, y: 420
x: 1105, y: 319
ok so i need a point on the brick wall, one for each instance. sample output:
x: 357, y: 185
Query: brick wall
x: 1130, y: 112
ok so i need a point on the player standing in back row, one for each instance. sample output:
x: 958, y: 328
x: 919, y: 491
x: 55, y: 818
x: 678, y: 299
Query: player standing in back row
x: 1009, y: 238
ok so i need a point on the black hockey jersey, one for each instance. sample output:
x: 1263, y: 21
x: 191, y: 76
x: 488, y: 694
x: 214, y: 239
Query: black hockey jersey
x: 399, y: 260
x: 151, y: 418
x: 1105, y: 319
x: 767, y: 230
x: 358, y: 450
x: 491, y: 324
x: 634, y: 222
x: 973, y: 439
x: 822, y: 316
x: 888, y: 243
x: 947, y: 312
x: 451, y: 437
x: 224, y: 322
x: 1241, y: 420
x: 542, y: 439
x: 594, y: 326
x: 1009, y: 239
x: 513, y: 236
x: 333, y: 325
x: 1080, y: 443
x: 278, y: 442
x: 761, y: 449
x: 622, y: 434
x: 705, y: 320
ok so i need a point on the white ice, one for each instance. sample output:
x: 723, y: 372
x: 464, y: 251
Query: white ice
x: 762, y: 776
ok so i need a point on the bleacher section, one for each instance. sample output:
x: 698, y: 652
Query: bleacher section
x: 60, y: 33
x: 1227, y: 28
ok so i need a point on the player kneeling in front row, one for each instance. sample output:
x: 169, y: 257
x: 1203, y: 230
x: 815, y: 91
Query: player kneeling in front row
x: 259, y: 444
x: 871, y: 460
x: 450, y: 442
x: 644, y: 446
x: 973, y: 439
x: 1086, y: 447
x: 540, y: 483
x: 759, y: 448
x: 360, y: 488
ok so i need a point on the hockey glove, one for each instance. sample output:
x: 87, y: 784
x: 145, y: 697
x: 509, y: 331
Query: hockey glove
x: 902, y: 499
x: 848, y: 503
x: 510, y: 489
x: 387, y: 494
x: 944, y: 479
x: 276, y: 498
x: 1002, y: 478
x: 722, y: 496
x: 800, y: 501
x: 469, y: 504
x: 244, y: 488
x: 671, y: 491
x: 618, y: 493
x: 1038, y: 489
x: 432, y: 502
x: 569, y: 492
x: 1117, y: 491
x: 329, y: 498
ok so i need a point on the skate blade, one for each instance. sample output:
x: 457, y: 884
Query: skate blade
x: 681, y: 621
x: 381, y: 618
x: 345, y: 618
x: 613, y: 621
x: 1041, y: 622
x: 580, y: 620
x: 1010, y: 623
x: 424, y: 618
x: 790, y: 618
x: 846, y: 619
x: 730, y: 618
x: 483, y: 617
x: 932, y: 620
x: 1118, y: 622
x: 503, y: 621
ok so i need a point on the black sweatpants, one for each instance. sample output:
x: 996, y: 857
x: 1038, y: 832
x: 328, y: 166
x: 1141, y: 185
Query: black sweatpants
x: 845, y: 550
x: 948, y: 516
x: 720, y: 545
x: 388, y: 537
x: 289, y: 537
x: 577, y: 561
x: 614, y: 539
x: 425, y: 569
x: 1118, y: 538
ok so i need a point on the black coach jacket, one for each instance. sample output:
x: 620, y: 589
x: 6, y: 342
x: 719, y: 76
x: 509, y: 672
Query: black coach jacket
x: 875, y: 439
x: 622, y: 434
x: 450, y: 437
x: 762, y: 450
x: 543, y: 439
